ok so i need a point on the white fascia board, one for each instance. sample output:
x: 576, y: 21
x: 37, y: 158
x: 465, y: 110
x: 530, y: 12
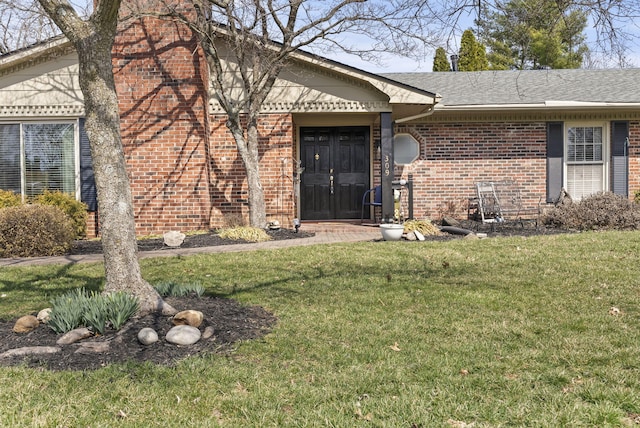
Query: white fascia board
x: 33, y: 52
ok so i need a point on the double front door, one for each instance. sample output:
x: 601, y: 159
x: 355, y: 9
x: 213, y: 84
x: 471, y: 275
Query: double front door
x: 336, y: 172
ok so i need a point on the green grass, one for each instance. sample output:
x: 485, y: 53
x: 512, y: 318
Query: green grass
x: 496, y: 332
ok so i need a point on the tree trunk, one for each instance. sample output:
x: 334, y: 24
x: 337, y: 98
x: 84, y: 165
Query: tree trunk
x: 248, y: 149
x: 116, y: 216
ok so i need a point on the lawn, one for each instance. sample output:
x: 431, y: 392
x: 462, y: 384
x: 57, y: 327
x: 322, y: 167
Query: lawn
x: 496, y: 332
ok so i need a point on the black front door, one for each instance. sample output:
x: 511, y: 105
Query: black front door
x: 336, y: 172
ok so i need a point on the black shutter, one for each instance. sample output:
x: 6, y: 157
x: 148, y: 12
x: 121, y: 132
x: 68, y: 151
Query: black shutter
x: 620, y: 158
x: 555, y: 161
x: 87, y: 181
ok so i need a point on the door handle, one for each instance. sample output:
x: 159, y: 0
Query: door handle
x: 331, y: 184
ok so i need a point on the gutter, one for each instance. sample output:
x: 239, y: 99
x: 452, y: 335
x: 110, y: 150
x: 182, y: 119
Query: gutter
x: 545, y: 105
x: 429, y: 112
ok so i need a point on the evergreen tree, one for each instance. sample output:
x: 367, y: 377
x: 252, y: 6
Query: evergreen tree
x: 527, y: 34
x: 440, y: 61
x: 473, y: 55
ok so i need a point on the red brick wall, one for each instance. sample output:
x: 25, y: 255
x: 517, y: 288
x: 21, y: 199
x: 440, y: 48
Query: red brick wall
x: 162, y: 87
x: 453, y: 156
x: 228, y: 179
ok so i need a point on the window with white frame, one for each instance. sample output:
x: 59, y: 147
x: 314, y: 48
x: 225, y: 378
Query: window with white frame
x: 585, y: 146
x: 39, y: 156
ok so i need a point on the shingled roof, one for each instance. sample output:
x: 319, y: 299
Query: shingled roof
x: 531, y: 87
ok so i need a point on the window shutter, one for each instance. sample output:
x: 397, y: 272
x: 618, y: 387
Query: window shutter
x: 619, y: 158
x: 87, y: 181
x: 555, y: 154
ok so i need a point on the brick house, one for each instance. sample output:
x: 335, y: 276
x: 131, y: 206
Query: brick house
x: 329, y: 132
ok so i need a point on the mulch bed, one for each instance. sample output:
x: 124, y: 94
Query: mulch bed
x: 231, y: 321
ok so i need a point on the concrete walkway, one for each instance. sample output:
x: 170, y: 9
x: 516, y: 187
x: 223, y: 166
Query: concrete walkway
x: 325, y: 233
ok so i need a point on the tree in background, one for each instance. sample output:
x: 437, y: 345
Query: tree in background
x: 527, y: 34
x: 440, y: 61
x: 472, y: 55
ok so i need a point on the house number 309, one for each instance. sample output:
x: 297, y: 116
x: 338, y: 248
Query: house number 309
x: 387, y: 166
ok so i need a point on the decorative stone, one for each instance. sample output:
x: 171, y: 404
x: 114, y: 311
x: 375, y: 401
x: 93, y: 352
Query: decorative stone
x: 44, y: 315
x: 189, y: 317
x: 471, y: 236
x: 208, y: 332
x: 411, y: 236
x: 92, y: 348
x: 30, y: 350
x: 26, y: 324
x: 147, y: 336
x: 183, y: 335
x: 173, y: 238
x: 450, y: 221
x: 73, y: 336
x: 419, y: 235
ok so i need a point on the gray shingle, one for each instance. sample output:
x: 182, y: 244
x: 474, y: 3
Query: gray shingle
x: 527, y: 87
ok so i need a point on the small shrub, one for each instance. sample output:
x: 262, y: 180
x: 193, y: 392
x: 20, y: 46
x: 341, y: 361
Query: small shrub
x: 233, y: 220
x: 601, y: 211
x: 76, y: 210
x: 249, y: 234
x: 120, y: 307
x: 9, y: 199
x: 67, y: 311
x: 34, y: 230
x: 423, y: 226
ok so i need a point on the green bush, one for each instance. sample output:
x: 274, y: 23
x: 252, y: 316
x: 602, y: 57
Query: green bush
x: 601, y: 211
x: 34, y: 230
x: 76, y: 210
x: 9, y: 199
x: 245, y: 233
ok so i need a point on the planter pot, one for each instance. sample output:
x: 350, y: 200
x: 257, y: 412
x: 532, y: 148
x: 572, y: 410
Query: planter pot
x: 391, y: 232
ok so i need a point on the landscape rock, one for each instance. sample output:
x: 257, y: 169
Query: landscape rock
x: 450, y: 221
x: 419, y: 235
x: 147, y: 336
x: 183, y: 335
x: 471, y: 236
x: 208, y: 332
x: 44, y: 315
x: 73, y: 336
x: 173, y: 238
x: 30, y: 350
x: 411, y: 236
x: 188, y: 317
x: 93, y: 348
x: 26, y: 324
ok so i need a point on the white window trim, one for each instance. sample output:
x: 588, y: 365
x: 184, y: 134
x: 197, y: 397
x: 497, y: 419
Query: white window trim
x: 606, y: 137
x: 76, y: 148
